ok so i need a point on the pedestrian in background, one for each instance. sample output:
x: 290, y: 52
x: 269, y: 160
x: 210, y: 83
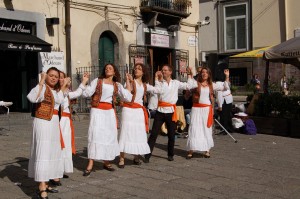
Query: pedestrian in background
x: 103, y: 133
x: 45, y: 160
x: 135, y: 121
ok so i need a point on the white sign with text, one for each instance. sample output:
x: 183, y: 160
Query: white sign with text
x: 53, y: 59
x: 159, y: 40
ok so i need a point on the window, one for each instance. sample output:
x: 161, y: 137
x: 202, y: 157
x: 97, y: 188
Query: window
x: 235, y: 27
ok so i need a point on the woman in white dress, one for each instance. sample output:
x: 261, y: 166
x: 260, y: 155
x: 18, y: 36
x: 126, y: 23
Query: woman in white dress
x: 200, y: 129
x: 103, y: 134
x: 134, y: 123
x: 67, y: 127
x: 45, y: 160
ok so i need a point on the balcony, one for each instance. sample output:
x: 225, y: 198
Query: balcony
x: 174, y: 8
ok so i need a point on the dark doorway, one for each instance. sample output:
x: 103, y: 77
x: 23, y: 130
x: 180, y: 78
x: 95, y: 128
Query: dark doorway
x: 106, y: 49
x: 161, y: 56
x: 19, y: 71
x: 238, y: 76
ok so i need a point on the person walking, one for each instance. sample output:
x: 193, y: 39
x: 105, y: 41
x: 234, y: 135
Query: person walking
x: 135, y: 121
x: 200, y: 130
x: 67, y: 127
x: 166, y: 111
x: 45, y: 160
x: 102, y: 133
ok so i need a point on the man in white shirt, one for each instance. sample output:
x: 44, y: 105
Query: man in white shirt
x: 166, y: 111
x: 225, y: 99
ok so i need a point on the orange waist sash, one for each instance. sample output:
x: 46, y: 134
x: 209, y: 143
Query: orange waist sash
x: 62, y: 143
x: 166, y: 104
x: 210, y: 114
x: 136, y: 105
x: 64, y: 114
x: 107, y: 106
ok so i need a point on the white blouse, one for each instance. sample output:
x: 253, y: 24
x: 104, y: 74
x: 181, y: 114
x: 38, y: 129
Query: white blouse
x: 107, y: 92
x: 72, y: 95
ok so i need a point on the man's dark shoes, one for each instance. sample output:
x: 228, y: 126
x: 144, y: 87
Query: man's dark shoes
x: 55, y: 183
x: 170, y: 158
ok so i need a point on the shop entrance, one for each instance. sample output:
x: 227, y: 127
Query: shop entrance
x: 19, y: 72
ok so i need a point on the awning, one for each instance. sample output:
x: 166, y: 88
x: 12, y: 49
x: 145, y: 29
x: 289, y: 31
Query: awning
x: 253, y: 53
x: 23, y: 42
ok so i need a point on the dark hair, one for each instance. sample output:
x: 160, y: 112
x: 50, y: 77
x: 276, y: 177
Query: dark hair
x: 209, y: 79
x: 116, y: 78
x: 65, y: 75
x: 57, y: 85
x: 169, y: 66
x: 145, y: 77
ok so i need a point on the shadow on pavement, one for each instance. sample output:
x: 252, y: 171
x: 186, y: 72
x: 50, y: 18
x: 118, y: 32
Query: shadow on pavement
x: 17, y: 173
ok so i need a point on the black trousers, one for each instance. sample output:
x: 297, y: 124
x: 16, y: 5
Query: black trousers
x: 225, y: 116
x: 159, y: 119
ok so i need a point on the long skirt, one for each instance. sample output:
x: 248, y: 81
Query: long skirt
x: 200, y: 136
x: 67, y: 151
x: 45, y: 160
x: 133, y: 136
x: 103, y: 135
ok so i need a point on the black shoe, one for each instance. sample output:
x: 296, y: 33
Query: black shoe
x: 87, y: 172
x: 170, y: 158
x: 146, y: 160
x: 55, y: 183
x: 108, y: 167
x: 51, y: 190
x: 65, y: 176
x: 39, y: 194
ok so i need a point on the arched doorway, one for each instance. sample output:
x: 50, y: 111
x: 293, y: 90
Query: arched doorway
x: 107, y: 49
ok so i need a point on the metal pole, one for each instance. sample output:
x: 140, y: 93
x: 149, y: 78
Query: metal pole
x: 68, y: 38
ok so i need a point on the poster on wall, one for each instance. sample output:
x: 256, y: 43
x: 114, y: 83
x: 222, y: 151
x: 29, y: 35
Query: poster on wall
x: 160, y: 40
x: 182, y: 64
x: 53, y: 59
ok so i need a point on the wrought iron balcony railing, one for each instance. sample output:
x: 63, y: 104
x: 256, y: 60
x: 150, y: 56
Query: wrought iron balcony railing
x: 178, y: 8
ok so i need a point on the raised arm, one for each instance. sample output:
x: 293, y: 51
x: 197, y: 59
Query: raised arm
x: 90, y: 89
x: 36, y: 95
x: 123, y: 93
x: 80, y: 89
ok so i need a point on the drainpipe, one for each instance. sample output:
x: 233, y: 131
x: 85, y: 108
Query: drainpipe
x: 68, y: 38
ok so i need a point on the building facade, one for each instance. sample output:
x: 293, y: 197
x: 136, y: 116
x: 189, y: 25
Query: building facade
x: 238, y: 26
x: 153, y: 32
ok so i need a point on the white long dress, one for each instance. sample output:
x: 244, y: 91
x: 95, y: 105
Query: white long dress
x: 200, y: 136
x: 45, y: 160
x: 66, y: 130
x: 103, y: 133
x: 133, y: 136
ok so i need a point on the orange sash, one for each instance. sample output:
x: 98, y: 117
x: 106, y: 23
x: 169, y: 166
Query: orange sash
x: 62, y: 143
x: 136, y: 105
x: 166, y: 104
x: 64, y: 114
x: 107, y: 106
x: 210, y: 114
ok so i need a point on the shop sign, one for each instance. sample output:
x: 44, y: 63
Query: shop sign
x: 53, y: 59
x: 23, y: 47
x: 192, y: 41
x: 159, y: 40
x: 14, y: 26
x: 157, y: 31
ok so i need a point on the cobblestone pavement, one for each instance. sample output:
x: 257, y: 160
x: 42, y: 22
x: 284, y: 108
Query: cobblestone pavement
x: 261, y: 166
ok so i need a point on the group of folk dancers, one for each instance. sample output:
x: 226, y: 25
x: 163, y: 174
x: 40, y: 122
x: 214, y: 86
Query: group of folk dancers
x: 53, y: 141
